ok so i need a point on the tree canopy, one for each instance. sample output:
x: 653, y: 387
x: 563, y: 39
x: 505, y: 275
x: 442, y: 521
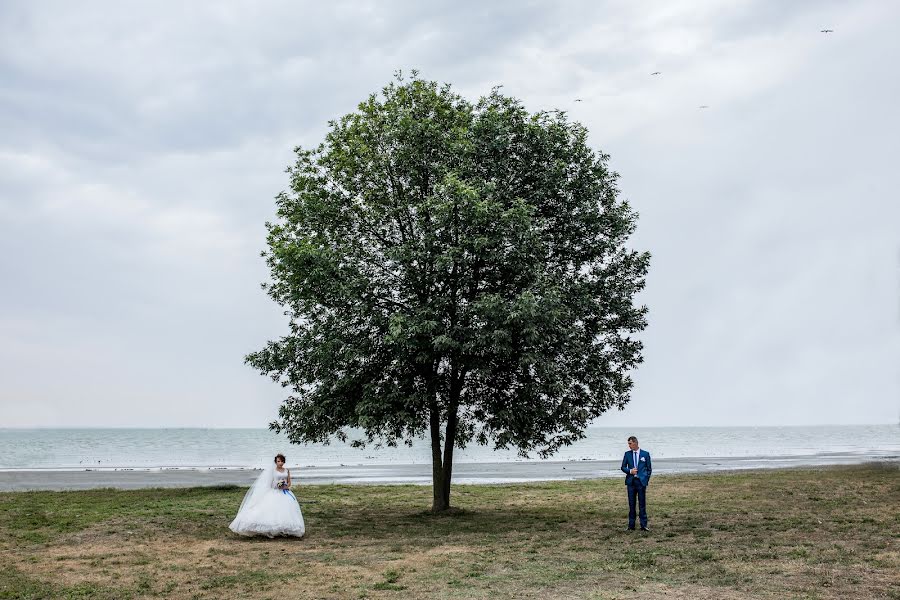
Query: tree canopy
x: 452, y: 269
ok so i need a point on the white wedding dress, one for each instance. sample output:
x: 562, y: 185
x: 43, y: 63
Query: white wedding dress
x: 268, y: 510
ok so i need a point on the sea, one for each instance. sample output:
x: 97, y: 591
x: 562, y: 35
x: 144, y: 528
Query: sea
x: 201, y: 449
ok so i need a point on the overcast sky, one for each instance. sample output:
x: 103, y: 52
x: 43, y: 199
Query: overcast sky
x: 142, y: 145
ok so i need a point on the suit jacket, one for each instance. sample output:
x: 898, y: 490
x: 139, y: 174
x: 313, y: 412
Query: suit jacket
x: 644, y: 468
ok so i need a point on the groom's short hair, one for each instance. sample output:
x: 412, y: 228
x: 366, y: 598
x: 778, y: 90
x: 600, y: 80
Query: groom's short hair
x: 631, y: 438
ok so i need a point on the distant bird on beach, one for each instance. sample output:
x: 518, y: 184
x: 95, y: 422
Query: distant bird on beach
x: 827, y: 31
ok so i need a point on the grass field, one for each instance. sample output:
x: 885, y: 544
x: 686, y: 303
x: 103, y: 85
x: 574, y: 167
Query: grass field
x: 811, y: 533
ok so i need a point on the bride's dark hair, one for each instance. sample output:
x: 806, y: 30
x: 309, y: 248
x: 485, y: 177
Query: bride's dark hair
x: 281, y: 456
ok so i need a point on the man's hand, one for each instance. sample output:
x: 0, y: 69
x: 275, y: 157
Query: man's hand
x: 634, y: 471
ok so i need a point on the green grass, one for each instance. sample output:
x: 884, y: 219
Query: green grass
x: 811, y: 533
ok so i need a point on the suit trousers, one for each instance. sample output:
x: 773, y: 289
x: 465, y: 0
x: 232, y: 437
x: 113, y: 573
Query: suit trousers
x: 637, y: 494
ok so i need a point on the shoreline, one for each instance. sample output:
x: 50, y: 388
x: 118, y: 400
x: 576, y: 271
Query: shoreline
x: 13, y: 480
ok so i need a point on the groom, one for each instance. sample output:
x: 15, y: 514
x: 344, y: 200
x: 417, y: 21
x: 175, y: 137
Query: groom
x: 637, y: 469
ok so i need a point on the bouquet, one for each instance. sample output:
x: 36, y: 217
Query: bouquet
x: 282, y: 484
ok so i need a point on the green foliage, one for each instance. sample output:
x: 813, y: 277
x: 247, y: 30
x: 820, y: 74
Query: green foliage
x: 443, y: 262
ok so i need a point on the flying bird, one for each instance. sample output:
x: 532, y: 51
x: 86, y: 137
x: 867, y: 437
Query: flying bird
x: 827, y: 31
x: 577, y: 99
x: 704, y: 106
x: 656, y: 73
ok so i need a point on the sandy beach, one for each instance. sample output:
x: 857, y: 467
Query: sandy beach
x: 497, y: 472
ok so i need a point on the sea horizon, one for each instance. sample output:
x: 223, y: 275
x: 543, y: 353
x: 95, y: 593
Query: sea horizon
x: 117, y: 448
x: 591, y: 426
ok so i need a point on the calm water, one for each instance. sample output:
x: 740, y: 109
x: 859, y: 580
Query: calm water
x: 80, y: 449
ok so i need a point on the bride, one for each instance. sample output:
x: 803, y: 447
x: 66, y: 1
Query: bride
x: 269, y: 507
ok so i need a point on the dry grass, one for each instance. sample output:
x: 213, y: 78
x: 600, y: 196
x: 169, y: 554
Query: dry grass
x: 825, y: 533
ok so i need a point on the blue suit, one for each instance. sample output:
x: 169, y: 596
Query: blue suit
x: 637, y: 484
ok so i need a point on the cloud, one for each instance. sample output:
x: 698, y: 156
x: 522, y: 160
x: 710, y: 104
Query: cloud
x: 144, y: 143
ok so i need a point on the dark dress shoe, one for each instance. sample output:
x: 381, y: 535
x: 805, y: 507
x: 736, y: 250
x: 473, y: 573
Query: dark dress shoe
x: 629, y: 529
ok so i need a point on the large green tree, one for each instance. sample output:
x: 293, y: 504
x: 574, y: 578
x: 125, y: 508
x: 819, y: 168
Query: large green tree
x: 452, y: 269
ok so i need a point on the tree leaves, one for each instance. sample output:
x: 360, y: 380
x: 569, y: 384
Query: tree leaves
x: 432, y: 254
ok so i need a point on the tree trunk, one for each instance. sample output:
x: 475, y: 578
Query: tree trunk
x: 442, y: 466
x: 449, y: 443
x: 441, y: 499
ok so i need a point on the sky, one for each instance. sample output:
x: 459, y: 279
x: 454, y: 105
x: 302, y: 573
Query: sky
x: 142, y: 146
